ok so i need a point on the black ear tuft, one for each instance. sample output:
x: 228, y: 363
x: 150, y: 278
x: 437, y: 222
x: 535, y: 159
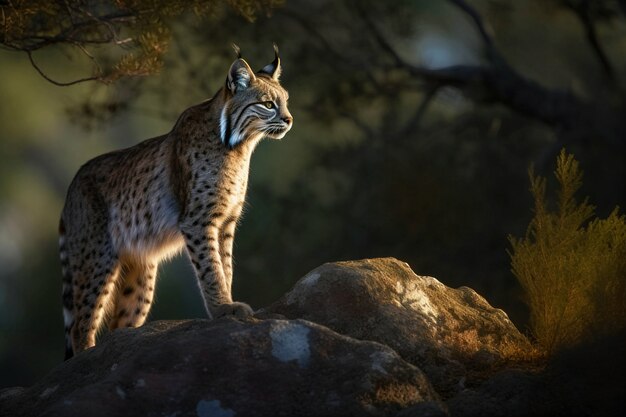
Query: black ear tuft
x: 237, y: 50
x: 274, y: 69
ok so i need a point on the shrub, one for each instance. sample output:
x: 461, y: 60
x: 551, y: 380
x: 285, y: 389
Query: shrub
x: 571, y: 264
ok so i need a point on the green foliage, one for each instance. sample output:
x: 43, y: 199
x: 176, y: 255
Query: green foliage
x: 571, y: 264
x: 137, y: 32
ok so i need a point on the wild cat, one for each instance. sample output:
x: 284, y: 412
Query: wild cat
x: 128, y: 210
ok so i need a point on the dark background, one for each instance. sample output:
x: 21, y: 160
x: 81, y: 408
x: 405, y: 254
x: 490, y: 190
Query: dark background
x: 415, y: 125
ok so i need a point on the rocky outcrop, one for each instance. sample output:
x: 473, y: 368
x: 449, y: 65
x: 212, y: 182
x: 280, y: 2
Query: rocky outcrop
x: 353, y: 338
x: 451, y: 334
x: 227, y: 368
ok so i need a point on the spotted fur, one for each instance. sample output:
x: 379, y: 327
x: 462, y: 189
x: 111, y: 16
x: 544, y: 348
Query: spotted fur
x: 128, y: 210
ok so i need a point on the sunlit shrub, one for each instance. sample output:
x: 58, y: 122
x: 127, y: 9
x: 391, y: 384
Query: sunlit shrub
x: 571, y: 264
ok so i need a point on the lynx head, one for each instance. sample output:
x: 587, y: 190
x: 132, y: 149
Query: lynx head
x: 255, y: 103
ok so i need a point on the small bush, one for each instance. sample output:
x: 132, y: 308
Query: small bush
x: 571, y: 264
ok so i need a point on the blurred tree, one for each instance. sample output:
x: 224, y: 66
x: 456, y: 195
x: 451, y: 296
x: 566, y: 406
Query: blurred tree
x: 577, y: 119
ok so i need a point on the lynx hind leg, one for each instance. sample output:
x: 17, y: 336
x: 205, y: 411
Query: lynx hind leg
x: 93, y: 285
x: 135, y: 291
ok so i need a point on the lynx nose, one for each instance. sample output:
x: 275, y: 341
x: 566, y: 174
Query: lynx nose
x: 287, y: 119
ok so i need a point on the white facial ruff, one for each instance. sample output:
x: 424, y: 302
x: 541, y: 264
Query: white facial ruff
x: 223, y: 123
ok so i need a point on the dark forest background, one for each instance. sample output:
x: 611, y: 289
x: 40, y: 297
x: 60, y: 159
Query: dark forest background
x: 415, y: 125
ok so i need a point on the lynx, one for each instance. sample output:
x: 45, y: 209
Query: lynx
x: 128, y: 210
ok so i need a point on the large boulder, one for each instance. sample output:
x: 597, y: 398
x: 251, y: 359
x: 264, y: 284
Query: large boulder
x: 453, y: 335
x: 226, y: 368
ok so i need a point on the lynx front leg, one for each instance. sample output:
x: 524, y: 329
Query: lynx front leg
x: 204, y: 251
x: 226, y: 239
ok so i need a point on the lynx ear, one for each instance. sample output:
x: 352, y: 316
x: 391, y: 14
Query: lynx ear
x: 239, y: 76
x: 274, y: 69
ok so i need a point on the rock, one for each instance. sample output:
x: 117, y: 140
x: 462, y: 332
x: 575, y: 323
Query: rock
x: 509, y: 393
x: 424, y: 409
x: 227, y: 368
x: 451, y: 334
x: 456, y: 356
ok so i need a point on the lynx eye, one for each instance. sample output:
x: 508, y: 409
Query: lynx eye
x: 268, y: 105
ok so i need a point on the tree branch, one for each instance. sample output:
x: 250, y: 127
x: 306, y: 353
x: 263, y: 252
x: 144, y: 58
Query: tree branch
x: 581, y: 10
x: 337, y: 55
x: 360, y: 124
x: 312, y: 31
x: 68, y: 34
x: 492, y: 53
x: 500, y: 83
x: 58, y: 83
x: 378, y: 36
x: 417, y: 117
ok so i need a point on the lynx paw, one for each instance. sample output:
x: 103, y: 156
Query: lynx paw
x: 236, y: 309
